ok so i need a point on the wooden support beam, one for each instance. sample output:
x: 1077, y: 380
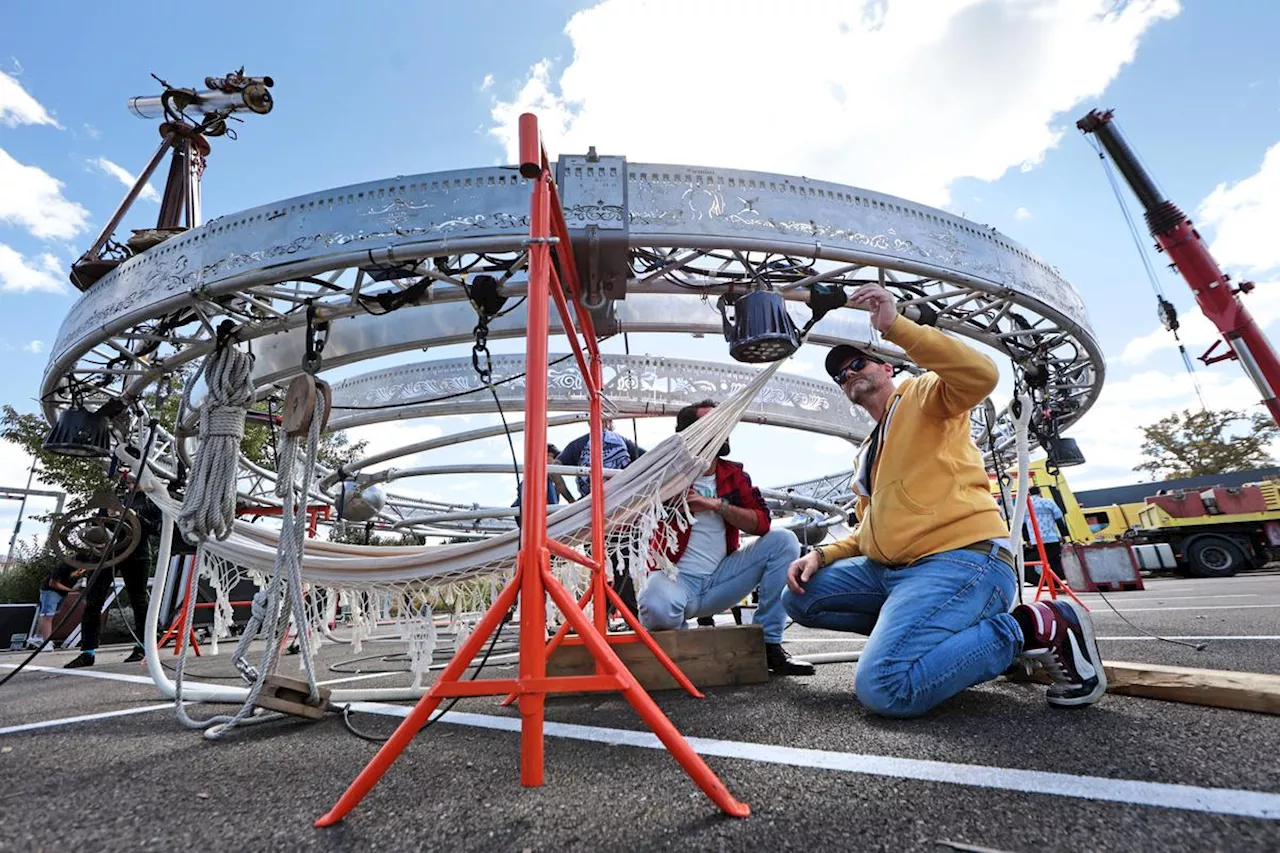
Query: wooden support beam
x: 1218, y: 688
x: 710, y: 657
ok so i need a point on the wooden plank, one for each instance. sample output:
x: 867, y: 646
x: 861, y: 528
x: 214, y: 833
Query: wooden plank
x: 710, y: 657
x: 1218, y: 688
x: 1242, y: 691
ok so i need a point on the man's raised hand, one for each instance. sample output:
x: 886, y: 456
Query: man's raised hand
x: 878, y: 302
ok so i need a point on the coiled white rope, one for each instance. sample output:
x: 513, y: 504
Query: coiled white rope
x: 283, y: 596
x: 210, y: 505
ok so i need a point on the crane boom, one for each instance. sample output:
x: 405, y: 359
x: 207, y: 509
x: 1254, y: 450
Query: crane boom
x: 1177, y: 237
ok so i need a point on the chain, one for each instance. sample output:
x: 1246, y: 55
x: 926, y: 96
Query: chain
x: 480, y: 349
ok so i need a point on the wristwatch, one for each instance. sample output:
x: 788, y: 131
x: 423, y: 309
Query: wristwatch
x: 724, y: 504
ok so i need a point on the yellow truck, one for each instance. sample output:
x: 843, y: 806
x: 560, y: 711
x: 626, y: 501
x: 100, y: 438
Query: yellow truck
x: 1200, y: 528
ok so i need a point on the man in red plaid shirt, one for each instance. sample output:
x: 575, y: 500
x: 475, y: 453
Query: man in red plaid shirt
x: 712, y: 572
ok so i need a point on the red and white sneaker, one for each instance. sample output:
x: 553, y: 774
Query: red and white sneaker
x: 1059, y: 636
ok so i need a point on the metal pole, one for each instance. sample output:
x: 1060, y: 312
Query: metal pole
x: 129, y: 199
x: 22, y: 506
x: 534, y: 555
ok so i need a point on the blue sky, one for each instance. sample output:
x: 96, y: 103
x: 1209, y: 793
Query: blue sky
x: 968, y: 104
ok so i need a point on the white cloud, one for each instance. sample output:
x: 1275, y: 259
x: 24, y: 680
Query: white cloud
x: 32, y: 199
x: 1022, y: 213
x: 857, y: 98
x: 22, y: 275
x: 1244, y: 216
x: 93, y: 132
x: 34, y: 347
x: 486, y: 83
x: 1110, y: 434
x: 124, y: 176
x: 17, y: 107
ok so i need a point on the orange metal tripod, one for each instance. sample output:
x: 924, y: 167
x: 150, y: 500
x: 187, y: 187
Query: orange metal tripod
x: 550, y: 259
x: 1049, y: 581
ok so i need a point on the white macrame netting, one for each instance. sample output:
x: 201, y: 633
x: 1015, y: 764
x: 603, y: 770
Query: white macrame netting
x: 354, y: 591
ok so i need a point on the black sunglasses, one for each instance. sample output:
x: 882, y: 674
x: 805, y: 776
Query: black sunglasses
x: 853, y: 367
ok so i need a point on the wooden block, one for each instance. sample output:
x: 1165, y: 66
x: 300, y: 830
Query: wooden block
x: 1218, y: 688
x: 291, y: 696
x: 710, y: 657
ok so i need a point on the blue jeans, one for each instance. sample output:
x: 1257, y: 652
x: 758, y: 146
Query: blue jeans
x: 935, y: 627
x: 665, y: 603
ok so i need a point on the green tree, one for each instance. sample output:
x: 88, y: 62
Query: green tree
x: 1193, y: 444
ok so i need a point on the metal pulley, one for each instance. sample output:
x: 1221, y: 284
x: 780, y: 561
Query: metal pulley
x: 102, y: 532
x: 300, y: 405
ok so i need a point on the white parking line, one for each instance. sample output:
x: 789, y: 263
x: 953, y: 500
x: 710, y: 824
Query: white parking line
x: 1251, y: 637
x: 66, y: 721
x: 105, y: 676
x: 1178, y: 597
x: 1227, y: 801
x: 360, y: 677
x: 1104, y: 612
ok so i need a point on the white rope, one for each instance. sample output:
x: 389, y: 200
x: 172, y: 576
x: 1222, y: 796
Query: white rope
x: 1023, y: 448
x: 284, y: 595
x: 210, y: 507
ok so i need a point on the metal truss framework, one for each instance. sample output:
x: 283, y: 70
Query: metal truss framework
x: 658, y: 241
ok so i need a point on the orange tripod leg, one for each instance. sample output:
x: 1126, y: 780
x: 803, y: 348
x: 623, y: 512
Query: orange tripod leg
x: 651, y: 644
x: 406, y: 731
x: 644, y: 705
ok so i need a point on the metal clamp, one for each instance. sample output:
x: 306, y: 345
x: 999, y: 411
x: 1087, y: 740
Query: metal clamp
x: 317, y: 335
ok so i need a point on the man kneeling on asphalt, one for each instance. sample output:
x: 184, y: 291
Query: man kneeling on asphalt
x: 927, y: 573
x: 712, y: 572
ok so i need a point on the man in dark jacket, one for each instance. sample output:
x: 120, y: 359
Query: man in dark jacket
x: 134, y: 570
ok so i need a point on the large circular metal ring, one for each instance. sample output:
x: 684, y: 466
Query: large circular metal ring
x: 677, y: 229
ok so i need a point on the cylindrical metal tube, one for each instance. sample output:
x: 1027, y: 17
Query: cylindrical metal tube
x: 254, y: 98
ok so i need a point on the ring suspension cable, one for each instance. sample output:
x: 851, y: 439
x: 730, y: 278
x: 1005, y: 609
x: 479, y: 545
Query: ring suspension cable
x: 1168, y: 314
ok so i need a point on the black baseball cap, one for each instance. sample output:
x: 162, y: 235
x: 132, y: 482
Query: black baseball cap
x: 842, y: 354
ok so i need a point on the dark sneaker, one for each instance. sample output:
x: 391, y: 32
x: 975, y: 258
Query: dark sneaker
x: 82, y: 659
x: 136, y: 655
x: 1059, y: 637
x: 706, y: 621
x: 782, y: 663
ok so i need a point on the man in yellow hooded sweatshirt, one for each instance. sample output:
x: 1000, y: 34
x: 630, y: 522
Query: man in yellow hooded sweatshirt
x: 928, y: 573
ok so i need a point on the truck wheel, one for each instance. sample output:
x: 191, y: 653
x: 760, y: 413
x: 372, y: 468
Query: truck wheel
x: 1214, y: 557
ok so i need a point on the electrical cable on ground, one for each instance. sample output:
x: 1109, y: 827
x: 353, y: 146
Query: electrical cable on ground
x: 1199, y: 647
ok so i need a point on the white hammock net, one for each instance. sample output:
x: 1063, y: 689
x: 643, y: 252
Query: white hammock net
x: 355, y: 591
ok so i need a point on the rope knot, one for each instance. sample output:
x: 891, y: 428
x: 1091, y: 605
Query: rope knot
x: 223, y: 422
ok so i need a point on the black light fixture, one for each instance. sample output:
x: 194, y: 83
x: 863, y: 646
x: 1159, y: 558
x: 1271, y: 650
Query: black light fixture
x: 1064, y: 452
x: 80, y: 433
x: 761, y: 329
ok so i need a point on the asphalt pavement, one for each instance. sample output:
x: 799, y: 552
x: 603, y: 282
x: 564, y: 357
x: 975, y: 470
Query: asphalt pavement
x: 97, y: 761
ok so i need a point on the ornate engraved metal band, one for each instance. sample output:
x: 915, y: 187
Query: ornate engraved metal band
x: 656, y: 229
x: 636, y: 385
